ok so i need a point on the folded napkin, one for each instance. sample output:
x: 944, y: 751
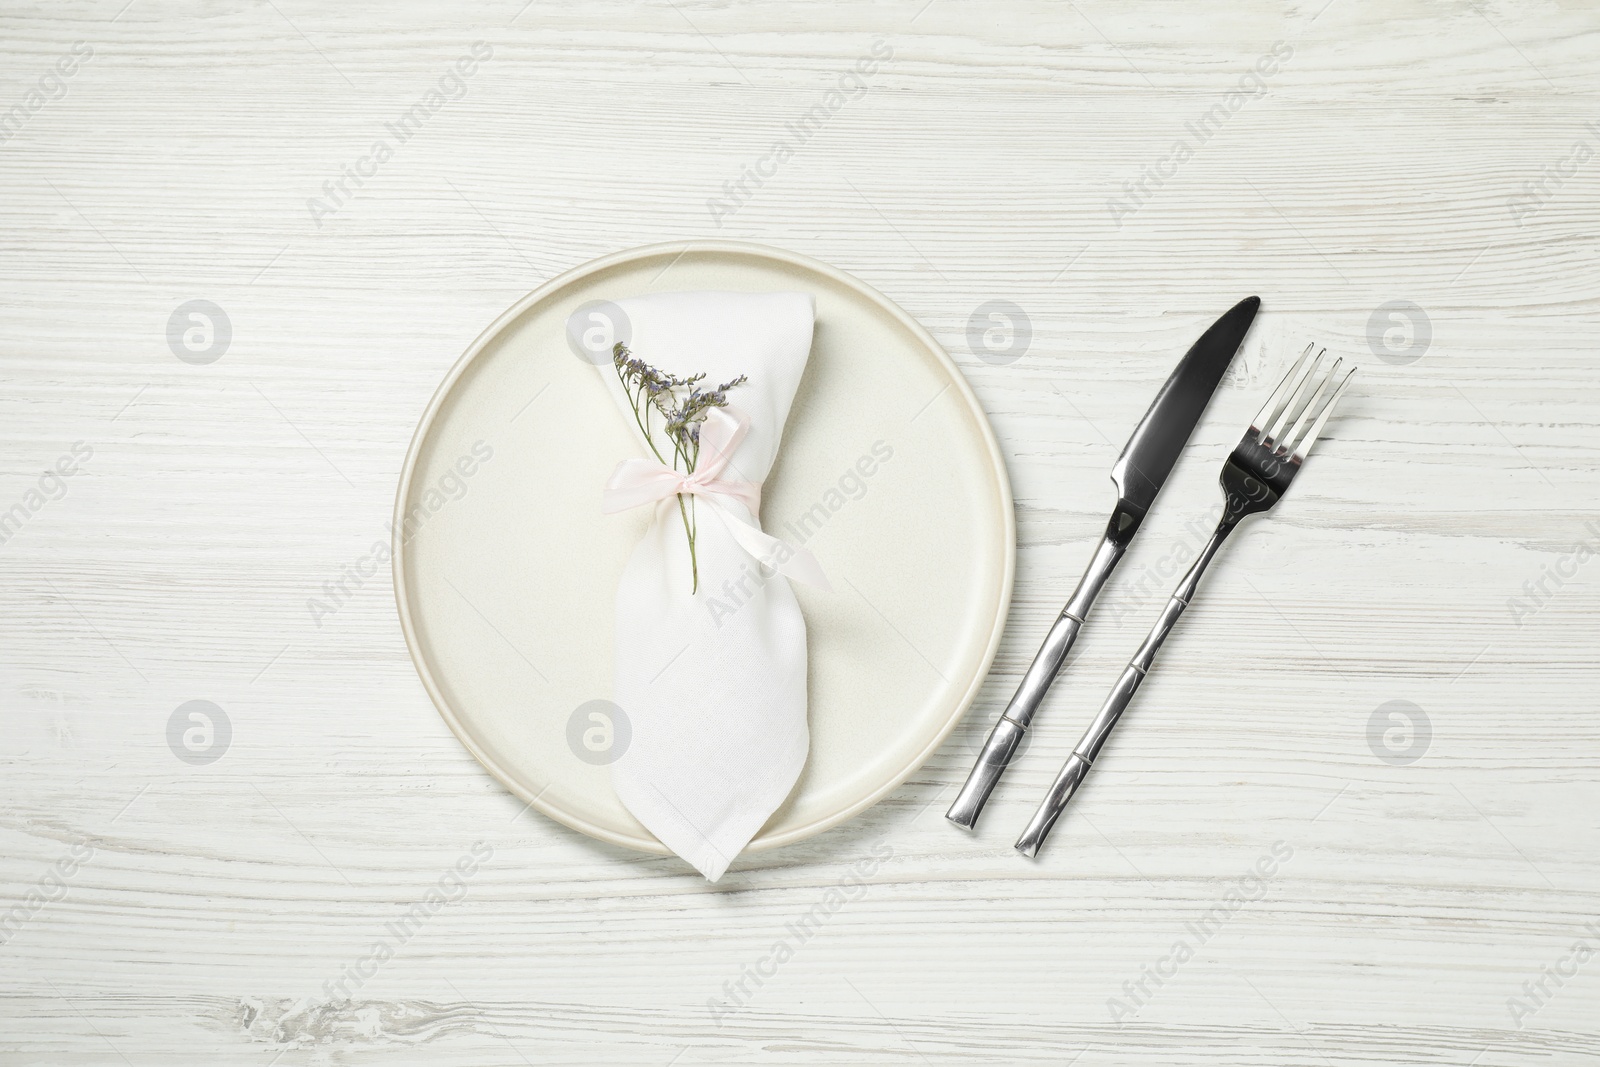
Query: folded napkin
x: 712, y: 678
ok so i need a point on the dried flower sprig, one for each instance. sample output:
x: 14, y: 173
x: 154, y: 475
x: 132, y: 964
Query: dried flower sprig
x: 683, y: 406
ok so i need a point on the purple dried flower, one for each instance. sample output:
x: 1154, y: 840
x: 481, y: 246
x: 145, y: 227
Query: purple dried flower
x: 681, y: 415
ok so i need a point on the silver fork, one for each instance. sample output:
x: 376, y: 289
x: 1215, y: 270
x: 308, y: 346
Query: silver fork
x: 1254, y: 478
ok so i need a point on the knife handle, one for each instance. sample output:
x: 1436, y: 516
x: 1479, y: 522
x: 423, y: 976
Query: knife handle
x: 1095, y: 737
x: 1012, y: 727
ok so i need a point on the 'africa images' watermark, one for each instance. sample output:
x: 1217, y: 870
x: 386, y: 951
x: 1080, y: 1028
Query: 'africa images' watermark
x: 450, y: 888
x: 1154, y: 175
x: 452, y: 485
x: 851, y: 85
x: 1538, y: 192
x: 1246, y: 889
x: 1539, y: 991
x: 1154, y: 579
x: 51, y: 486
x: 452, y: 86
x: 50, y: 887
x: 50, y: 86
x: 1538, y: 592
x: 753, y: 574
x: 739, y: 992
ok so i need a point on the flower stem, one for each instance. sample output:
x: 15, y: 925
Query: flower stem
x: 694, y: 563
x: 683, y: 412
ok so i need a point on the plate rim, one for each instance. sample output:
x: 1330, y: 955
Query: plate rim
x: 762, y: 841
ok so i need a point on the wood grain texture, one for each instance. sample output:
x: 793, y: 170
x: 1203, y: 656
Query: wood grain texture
x: 219, y: 906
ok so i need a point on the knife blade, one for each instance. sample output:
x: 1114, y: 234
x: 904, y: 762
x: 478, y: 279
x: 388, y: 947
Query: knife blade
x: 1139, y: 473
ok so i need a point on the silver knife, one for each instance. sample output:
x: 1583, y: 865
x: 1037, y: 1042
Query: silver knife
x: 1138, y: 474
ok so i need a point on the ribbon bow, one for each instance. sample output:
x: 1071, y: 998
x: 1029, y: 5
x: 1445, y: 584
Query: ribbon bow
x: 641, y: 481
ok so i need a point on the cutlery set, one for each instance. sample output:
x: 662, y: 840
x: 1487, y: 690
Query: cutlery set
x: 1254, y: 478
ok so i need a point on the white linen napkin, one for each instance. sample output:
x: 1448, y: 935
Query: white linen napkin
x: 713, y: 683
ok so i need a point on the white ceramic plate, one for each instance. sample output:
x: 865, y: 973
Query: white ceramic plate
x: 505, y: 568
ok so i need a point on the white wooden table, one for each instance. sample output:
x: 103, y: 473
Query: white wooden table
x: 1438, y: 552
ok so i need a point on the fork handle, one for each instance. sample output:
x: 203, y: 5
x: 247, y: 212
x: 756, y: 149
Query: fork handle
x: 1094, y: 738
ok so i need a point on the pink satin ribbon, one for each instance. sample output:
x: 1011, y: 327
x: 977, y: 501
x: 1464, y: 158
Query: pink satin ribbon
x: 637, y: 482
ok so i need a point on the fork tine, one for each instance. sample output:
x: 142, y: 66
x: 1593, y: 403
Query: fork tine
x: 1297, y: 400
x: 1303, y: 447
x: 1269, y: 410
x: 1308, y: 414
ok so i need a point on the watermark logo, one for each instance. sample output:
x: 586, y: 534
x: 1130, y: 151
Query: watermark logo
x: 999, y: 332
x: 1399, y: 332
x: 199, y: 332
x: 1399, y: 733
x: 598, y: 732
x: 199, y: 732
x: 595, y: 329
